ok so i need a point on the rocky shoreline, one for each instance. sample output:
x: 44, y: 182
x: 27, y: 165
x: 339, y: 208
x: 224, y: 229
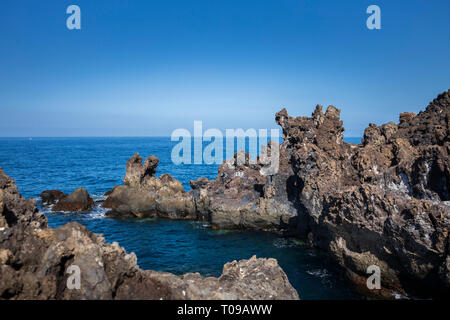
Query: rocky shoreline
x: 384, y: 202
x: 34, y: 263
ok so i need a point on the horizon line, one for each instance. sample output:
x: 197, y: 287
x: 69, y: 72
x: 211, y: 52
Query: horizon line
x: 156, y: 136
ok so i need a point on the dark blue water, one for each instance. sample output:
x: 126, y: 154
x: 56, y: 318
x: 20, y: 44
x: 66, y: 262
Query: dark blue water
x: 166, y: 245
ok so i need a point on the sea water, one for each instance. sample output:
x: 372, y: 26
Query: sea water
x: 176, y: 246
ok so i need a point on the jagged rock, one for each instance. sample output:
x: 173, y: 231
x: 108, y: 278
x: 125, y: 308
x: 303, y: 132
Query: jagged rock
x: 242, y: 198
x: 107, y: 193
x: 199, y: 183
x: 136, y: 173
x: 50, y: 197
x: 79, y: 200
x: 239, y: 198
x: 383, y: 202
x: 259, y: 279
x: 35, y: 261
x: 144, y: 195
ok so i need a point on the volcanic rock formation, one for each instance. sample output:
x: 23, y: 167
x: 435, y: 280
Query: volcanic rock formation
x: 243, y: 197
x: 50, y: 197
x: 35, y: 259
x: 144, y: 195
x: 384, y: 202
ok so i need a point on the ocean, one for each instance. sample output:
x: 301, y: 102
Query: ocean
x: 176, y: 246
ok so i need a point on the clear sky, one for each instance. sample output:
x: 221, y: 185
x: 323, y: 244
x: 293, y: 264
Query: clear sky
x: 142, y: 68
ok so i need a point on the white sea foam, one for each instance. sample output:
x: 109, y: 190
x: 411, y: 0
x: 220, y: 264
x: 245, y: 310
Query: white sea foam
x: 320, y: 273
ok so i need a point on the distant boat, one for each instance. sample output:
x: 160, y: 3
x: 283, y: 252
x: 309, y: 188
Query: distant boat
x: 30, y: 139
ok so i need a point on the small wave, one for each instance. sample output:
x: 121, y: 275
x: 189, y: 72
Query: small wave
x: 320, y: 273
x: 399, y: 296
x: 97, y: 213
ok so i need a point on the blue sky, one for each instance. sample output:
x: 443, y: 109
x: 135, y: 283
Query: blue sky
x: 143, y: 68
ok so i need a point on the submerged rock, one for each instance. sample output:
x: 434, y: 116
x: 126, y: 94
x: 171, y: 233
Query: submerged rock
x: 36, y: 262
x: 79, y: 200
x: 144, y: 195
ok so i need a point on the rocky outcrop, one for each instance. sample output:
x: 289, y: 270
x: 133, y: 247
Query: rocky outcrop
x: 36, y: 262
x: 50, y: 197
x: 79, y: 200
x: 237, y: 199
x: 144, y: 195
x: 383, y: 202
x: 243, y: 197
x: 255, y: 279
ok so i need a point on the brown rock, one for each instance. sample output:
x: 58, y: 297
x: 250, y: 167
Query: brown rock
x: 144, y: 195
x: 384, y: 202
x: 243, y: 196
x: 136, y: 173
x: 79, y: 200
x: 252, y: 279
